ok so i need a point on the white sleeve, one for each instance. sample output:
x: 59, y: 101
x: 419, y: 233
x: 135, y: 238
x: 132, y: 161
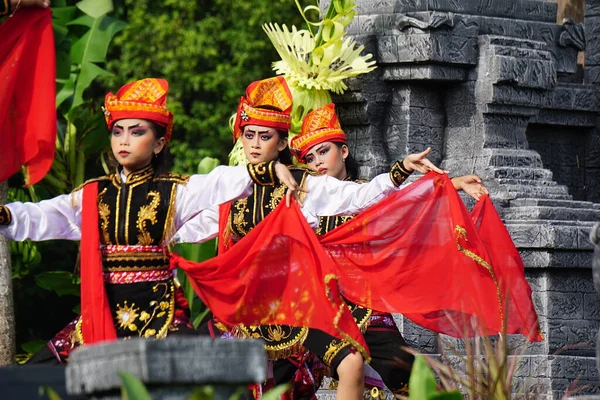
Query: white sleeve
x: 221, y: 185
x: 57, y: 218
x: 202, y: 227
x: 330, y: 196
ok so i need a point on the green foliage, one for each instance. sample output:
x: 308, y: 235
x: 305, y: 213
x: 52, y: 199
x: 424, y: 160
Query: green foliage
x: 208, y: 50
x: 423, y: 385
x: 197, y: 252
x: 132, y: 388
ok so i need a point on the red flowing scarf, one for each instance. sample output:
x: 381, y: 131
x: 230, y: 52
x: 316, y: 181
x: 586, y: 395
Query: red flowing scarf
x: 418, y: 253
x: 97, y: 324
x: 27, y: 85
x: 277, y: 274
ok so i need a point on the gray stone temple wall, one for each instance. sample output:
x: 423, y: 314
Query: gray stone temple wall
x: 493, y: 86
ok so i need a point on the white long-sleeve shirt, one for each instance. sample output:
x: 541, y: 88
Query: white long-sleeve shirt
x: 326, y: 196
x: 60, y: 217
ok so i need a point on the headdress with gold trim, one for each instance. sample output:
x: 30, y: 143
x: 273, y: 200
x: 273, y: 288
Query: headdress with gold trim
x: 143, y: 99
x: 267, y: 103
x: 319, y: 126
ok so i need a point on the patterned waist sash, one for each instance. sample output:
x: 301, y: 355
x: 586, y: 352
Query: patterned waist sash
x: 124, y: 264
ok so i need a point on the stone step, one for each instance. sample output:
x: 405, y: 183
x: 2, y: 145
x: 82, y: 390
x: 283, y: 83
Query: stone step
x: 572, y: 236
x: 523, y: 173
x: 554, y: 203
x: 551, y: 213
x: 513, y: 158
x: 527, y: 182
x: 552, y: 196
x: 541, y: 190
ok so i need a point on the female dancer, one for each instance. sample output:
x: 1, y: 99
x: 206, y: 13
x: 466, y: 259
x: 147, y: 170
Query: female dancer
x: 128, y: 290
x: 262, y: 121
x: 322, y: 147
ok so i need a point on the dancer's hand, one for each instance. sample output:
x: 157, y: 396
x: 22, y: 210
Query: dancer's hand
x: 285, y: 177
x: 471, y: 185
x: 418, y: 162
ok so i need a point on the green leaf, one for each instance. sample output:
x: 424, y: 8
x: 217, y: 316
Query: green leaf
x: 95, y: 8
x: 33, y: 346
x: 203, y: 393
x: 61, y: 282
x: 62, y: 15
x: 89, y: 71
x: 276, y: 392
x: 446, y: 396
x: 207, y: 164
x: 133, y: 388
x: 422, y: 380
x: 66, y: 91
x: 48, y: 391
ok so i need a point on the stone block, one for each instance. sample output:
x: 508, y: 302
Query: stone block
x: 592, y: 74
x: 591, y: 304
x: 591, y: 9
x: 387, y: 49
x: 572, y: 337
x: 569, y: 281
x: 565, y: 306
x: 181, y: 363
x: 570, y: 367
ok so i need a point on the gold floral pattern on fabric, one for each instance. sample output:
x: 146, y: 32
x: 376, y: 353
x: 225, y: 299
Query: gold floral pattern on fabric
x: 149, y: 319
x: 127, y: 316
x: 277, y: 196
x: 5, y: 216
x: 147, y: 213
x: 281, y: 340
x: 461, y: 234
x: 239, y: 219
x: 104, y: 214
x: 333, y: 349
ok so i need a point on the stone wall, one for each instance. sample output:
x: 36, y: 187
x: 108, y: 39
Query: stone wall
x: 494, y: 88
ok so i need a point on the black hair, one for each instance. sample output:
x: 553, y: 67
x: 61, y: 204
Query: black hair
x: 285, y: 155
x: 163, y: 161
x: 351, y: 164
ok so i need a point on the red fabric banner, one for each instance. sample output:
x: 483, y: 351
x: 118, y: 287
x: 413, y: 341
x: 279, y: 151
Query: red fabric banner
x: 97, y: 324
x: 277, y: 274
x: 417, y: 252
x: 28, y: 100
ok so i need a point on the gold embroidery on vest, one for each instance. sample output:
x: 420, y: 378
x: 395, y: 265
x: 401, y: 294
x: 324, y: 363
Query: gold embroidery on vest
x: 104, y: 214
x: 239, y: 221
x: 147, y: 213
x: 277, y: 196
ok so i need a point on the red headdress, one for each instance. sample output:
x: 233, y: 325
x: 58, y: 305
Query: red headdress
x: 143, y: 99
x: 320, y: 125
x: 267, y: 103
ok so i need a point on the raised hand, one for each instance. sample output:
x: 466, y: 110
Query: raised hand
x: 418, y: 162
x: 285, y: 176
x: 471, y: 185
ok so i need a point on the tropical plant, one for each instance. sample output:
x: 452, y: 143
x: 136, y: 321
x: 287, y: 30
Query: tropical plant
x: 314, y: 61
x: 197, y: 252
x: 83, y: 33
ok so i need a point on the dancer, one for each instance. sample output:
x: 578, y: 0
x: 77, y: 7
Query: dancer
x: 322, y: 147
x: 262, y: 122
x: 129, y: 216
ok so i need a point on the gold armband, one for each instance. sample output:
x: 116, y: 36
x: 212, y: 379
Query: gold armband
x: 398, y: 173
x: 5, y: 217
x: 263, y: 174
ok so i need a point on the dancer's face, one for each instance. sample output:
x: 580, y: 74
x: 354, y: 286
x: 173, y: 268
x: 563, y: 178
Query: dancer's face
x: 328, y: 158
x: 134, y: 143
x: 262, y: 144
